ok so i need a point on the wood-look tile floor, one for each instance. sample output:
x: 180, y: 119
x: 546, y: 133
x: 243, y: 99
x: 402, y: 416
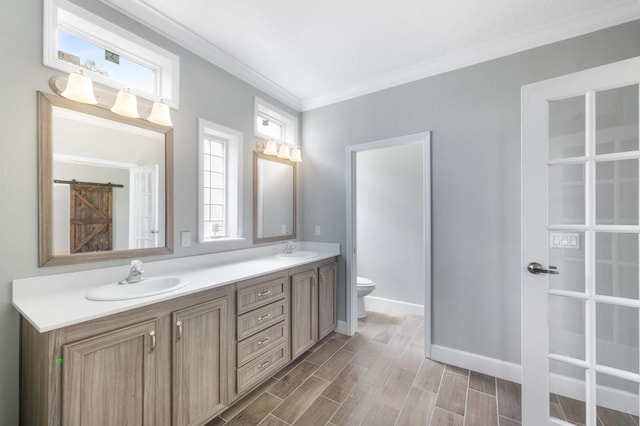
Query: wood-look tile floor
x: 379, y: 377
x: 376, y: 377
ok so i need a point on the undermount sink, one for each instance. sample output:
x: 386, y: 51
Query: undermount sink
x: 302, y: 254
x: 146, y: 288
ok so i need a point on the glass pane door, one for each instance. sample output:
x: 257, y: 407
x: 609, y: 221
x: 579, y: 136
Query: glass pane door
x: 593, y: 306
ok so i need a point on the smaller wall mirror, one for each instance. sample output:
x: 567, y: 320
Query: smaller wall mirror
x: 105, y: 184
x: 274, y: 199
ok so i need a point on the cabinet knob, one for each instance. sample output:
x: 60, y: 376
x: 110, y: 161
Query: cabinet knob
x: 263, y: 341
x: 264, y: 364
x: 264, y: 317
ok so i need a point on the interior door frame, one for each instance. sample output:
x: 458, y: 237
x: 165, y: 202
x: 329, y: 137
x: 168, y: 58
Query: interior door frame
x: 423, y: 139
x: 534, y: 121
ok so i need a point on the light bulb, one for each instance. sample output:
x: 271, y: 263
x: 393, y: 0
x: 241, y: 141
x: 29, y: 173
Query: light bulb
x: 160, y: 114
x: 126, y: 104
x: 80, y: 89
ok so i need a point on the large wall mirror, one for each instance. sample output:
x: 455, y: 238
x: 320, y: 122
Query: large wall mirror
x: 274, y: 199
x: 105, y: 184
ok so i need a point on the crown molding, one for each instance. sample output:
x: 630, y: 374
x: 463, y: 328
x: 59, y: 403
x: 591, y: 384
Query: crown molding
x: 540, y: 36
x: 595, y: 20
x: 147, y: 15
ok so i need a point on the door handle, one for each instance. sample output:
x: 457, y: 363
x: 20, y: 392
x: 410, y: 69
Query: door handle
x: 536, y: 268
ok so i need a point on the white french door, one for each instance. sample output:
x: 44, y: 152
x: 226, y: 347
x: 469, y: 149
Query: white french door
x: 143, y: 207
x: 580, y: 238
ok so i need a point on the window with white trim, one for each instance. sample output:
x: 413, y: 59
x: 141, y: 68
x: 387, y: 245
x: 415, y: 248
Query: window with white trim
x: 273, y: 123
x: 220, y: 182
x: 77, y: 39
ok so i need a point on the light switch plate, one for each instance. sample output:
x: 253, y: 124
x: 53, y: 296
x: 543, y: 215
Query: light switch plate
x: 185, y: 238
x: 317, y: 230
x: 283, y: 229
x: 565, y: 240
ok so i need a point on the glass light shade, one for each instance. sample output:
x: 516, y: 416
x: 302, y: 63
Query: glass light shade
x: 284, y: 152
x: 296, y: 155
x: 80, y: 89
x: 270, y: 148
x: 126, y: 104
x: 160, y: 114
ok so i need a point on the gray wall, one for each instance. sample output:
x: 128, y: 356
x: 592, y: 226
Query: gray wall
x: 389, y: 195
x: 474, y: 114
x: 205, y: 92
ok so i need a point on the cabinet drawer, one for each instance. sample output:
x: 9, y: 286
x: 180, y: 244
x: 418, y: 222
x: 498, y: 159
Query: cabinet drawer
x: 262, y: 342
x: 251, y: 296
x: 261, y: 319
x: 262, y: 367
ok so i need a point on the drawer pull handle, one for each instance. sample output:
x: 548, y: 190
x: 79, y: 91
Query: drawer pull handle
x: 179, y: 325
x: 264, y: 317
x: 264, y: 293
x: 264, y: 364
x: 152, y: 333
x: 263, y: 341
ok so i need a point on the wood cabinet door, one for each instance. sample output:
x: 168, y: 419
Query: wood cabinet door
x: 110, y: 379
x: 304, y: 311
x: 200, y: 362
x: 327, y: 302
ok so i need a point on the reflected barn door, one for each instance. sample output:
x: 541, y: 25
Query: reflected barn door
x: 143, y: 207
x: 580, y: 233
x: 91, y: 218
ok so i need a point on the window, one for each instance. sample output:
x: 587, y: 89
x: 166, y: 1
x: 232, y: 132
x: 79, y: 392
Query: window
x: 76, y: 39
x: 273, y: 123
x: 220, y: 182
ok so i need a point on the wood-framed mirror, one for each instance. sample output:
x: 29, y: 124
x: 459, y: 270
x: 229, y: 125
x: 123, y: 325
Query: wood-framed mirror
x: 105, y: 184
x: 274, y: 199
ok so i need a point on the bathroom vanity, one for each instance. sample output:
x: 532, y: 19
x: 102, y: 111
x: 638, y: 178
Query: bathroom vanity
x: 177, y: 358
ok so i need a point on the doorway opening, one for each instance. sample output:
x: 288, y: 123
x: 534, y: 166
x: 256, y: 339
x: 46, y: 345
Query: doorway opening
x: 389, y: 237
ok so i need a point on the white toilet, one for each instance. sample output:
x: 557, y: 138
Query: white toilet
x: 365, y: 286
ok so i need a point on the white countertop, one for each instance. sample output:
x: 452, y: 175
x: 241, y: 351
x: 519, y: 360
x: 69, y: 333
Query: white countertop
x: 56, y: 301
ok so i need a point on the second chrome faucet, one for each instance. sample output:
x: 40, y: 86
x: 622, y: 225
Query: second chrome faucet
x: 136, y: 273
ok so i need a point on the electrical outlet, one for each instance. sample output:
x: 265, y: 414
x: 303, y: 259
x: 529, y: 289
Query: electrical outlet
x: 185, y: 238
x: 283, y: 230
x: 317, y: 230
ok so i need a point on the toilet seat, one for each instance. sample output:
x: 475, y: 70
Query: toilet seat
x: 365, y: 282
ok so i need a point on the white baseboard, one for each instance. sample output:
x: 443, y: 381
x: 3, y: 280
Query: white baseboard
x: 480, y: 363
x: 394, y: 305
x: 607, y: 397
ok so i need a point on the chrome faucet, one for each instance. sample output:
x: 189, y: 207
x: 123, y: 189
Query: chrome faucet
x: 288, y: 248
x: 136, y: 273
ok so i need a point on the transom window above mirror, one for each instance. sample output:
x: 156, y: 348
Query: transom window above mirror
x: 273, y: 123
x: 75, y: 39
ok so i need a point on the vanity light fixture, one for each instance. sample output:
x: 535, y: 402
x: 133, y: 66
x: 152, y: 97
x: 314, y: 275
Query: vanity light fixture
x: 160, y: 114
x: 288, y: 153
x: 283, y: 152
x: 271, y: 148
x: 126, y: 104
x: 79, y: 88
x: 296, y: 155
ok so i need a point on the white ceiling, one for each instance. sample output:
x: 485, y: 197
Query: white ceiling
x: 313, y: 53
